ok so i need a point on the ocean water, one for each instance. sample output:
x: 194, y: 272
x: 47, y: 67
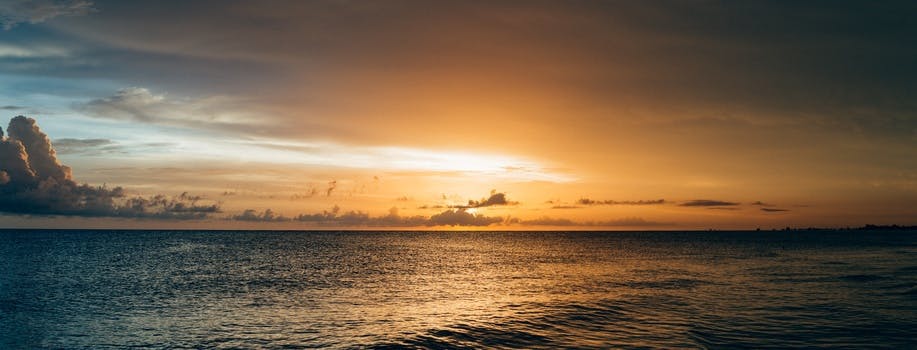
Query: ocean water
x: 203, y: 289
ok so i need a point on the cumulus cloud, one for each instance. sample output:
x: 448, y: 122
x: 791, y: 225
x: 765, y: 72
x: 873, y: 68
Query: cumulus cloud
x: 707, y: 203
x: 495, y: 199
x: 34, y: 182
x: 587, y: 201
x: 13, y: 12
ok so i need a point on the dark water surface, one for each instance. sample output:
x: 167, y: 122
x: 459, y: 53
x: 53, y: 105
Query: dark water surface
x: 192, y: 289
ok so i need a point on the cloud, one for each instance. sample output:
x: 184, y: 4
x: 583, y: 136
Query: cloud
x: 11, y: 108
x: 460, y: 217
x: 622, y: 222
x: 337, y: 218
x: 13, y: 12
x: 495, y: 199
x: 707, y: 203
x: 267, y: 215
x: 331, y: 186
x: 34, y: 182
x: 132, y: 103
x: 547, y: 221
x: 213, y: 113
x: 587, y: 201
x: 773, y: 210
x: 761, y: 204
x: 84, y: 146
x: 311, y: 192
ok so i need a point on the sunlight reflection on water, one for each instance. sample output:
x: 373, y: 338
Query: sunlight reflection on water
x: 95, y: 289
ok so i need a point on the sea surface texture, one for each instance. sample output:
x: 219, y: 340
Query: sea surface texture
x: 201, y: 289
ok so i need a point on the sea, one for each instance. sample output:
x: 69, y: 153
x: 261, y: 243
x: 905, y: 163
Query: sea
x: 89, y: 289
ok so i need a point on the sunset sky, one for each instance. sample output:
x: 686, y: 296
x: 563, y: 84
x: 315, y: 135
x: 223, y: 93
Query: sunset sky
x: 630, y: 115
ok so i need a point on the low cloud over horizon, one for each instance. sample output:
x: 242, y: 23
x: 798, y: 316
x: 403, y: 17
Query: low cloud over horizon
x: 450, y: 217
x: 34, y: 182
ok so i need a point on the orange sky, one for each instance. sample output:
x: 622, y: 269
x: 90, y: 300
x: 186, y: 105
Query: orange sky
x: 735, y: 115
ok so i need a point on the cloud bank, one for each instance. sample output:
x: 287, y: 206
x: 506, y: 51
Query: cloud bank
x: 450, y: 217
x: 34, y: 182
x: 337, y: 218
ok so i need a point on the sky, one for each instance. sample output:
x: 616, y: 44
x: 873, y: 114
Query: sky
x: 611, y: 115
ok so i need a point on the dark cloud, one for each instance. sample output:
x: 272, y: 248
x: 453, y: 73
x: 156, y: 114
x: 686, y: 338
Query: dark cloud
x: 13, y: 12
x: 460, y: 217
x: 587, y: 201
x: 495, y: 199
x: 773, y: 210
x: 11, y: 108
x: 795, y: 56
x: 338, y: 218
x: 335, y: 217
x: 184, y: 206
x: 761, y: 204
x: 707, y: 203
x: 267, y: 215
x: 34, y: 182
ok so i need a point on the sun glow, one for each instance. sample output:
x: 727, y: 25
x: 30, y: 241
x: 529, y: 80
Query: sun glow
x: 494, y: 166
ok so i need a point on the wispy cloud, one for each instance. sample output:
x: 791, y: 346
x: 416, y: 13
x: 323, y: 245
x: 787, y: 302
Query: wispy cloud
x: 78, y: 146
x: 707, y: 203
x: 622, y: 222
x: 14, y: 12
x: 587, y: 201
